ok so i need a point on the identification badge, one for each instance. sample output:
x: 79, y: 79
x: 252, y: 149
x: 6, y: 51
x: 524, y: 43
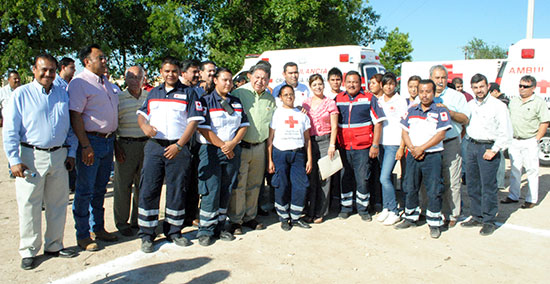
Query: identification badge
x: 180, y: 96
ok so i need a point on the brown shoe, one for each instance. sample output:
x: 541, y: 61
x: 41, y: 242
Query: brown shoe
x: 235, y: 229
x: 452, y: 223
x: 528, y: 205
x: 87, y: 244
x: 254, y: 225
x: 104, y: 236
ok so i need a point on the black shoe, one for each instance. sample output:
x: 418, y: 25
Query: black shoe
x: 285, y: 225
x: 235, y: 229
x: 206, y: 241
x: 344, y: 215
x: 127, y: 232
x: 146, y: 246
x: 471, y: 223
x: 65, y: 253
x: 404, y: 225
x: 508, y: 200
x: 27, y: 263
x: 300, y: 224
x: 487, y: 229
x: 180, y: 241
x: 365, y: 217
x: 435, y: 232
x: 254, y: 225
x: 528, y: 205
x: 226, y: 236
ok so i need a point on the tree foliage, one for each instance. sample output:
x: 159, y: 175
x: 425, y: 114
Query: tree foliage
x: 398, y: 49
x: 479, y: 49
x: 144, y: 31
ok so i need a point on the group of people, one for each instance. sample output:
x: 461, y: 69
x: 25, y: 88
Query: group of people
x: 214, y: 146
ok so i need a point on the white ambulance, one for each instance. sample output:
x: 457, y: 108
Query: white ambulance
x: 319, y: 60
x: 526, y: 57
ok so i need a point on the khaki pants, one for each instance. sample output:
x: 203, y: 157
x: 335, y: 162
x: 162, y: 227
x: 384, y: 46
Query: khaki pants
x: 244, y: 199
x: 126, y: 182
x: 51, y: 187
x: 451, y: 172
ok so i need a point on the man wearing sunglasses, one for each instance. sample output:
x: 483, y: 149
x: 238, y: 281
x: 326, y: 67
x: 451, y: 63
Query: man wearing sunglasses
x: 530, y: 117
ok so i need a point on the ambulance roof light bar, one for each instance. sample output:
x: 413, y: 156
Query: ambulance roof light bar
x: 528, y: 53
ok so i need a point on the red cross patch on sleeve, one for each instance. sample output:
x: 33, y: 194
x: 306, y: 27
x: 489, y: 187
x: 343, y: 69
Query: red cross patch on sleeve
x: 444, y: 116
x: 198, y: 106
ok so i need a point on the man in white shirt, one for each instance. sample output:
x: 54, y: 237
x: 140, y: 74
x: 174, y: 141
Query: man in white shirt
x: 489, y: 132
x: 301, y: 91
x: 14, y: 81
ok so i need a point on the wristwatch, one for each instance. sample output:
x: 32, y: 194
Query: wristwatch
x: 374, y: 146
x: 179, y: 147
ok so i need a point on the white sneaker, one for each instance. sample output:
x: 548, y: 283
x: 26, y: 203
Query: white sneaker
x: 391, y: 219
x: 383, y: 215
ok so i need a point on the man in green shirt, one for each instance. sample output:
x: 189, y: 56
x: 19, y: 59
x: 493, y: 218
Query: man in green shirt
x: 259, y: 106
x: 530, y: 117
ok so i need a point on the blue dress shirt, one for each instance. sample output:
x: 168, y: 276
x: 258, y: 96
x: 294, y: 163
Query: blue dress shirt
x: 38, y: 118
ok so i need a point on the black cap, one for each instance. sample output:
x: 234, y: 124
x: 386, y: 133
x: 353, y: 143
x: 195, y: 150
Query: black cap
x: 494, y: 86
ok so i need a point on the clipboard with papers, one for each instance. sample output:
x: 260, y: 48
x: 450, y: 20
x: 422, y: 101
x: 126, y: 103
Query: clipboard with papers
x: 328, y: 167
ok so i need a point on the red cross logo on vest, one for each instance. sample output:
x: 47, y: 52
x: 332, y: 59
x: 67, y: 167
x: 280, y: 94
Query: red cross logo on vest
x: 291, y: 121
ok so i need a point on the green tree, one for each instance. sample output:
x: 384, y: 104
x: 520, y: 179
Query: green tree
x: 240, y: 27
x: 479, y: 49
x: 398, y: 49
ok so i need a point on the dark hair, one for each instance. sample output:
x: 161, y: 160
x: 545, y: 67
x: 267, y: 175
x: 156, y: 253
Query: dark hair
x: 285, y: 87
x: 353, y: 73
x: 334, y: 72
x: 45, y: 56
x: 188, y: 63
x: 262, y: 67
x: 414, y: 78
x: 494, y: 86
x: 220, y: 70
x: 426, y: 82
x: 65, y: 61
x: 204, y: 63
x: 264, y: 62
x: 457, y: 81
x: 241, y: 77
x: 451, y: 86
x: 314, y: 78
x: 170, y: 60
x: 85, y: 52
x: 12, y: 72
x: 529, y: 78
x: 387, y: 78
x: 478, y: 78
x: 377, y: 77
x: 289, y: 64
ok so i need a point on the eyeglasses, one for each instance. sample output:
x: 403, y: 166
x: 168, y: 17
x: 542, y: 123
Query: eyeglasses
x: 525, y: 86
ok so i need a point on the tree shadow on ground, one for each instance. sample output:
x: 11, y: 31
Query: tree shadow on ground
x: 157, y: 273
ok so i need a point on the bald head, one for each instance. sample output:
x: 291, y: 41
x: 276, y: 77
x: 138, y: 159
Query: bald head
x: 134, y: 79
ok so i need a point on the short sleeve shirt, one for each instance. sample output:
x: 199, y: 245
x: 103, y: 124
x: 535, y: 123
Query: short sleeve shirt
x: 217, y: 119
x: 289, y: 126
x: 394, y: 109
x: 455, y: 101
x: 527, y: 116
x: 320, y: 116
x: 301, y: 93
x: 170, y: 112
x: 423, y: 125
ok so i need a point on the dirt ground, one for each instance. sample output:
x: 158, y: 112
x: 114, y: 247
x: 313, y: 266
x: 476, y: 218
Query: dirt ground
x: 336, y: 251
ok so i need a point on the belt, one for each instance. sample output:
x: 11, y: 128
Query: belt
x: 480, y: 141
x: 134, y: 139
x: 321, y: 138
x: 292, y: 150
x: 450, y: 139
x: 520, y: 138
x: 164, y: 142
x: 52, y: 149
x: 99, y: 134
x: 249, y: 145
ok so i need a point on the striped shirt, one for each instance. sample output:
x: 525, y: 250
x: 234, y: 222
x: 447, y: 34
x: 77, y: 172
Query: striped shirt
x: 127, y: 117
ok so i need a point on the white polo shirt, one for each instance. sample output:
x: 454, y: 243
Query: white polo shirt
x: 289, y: 126
x: 423, y: 125
x: 395, y: 109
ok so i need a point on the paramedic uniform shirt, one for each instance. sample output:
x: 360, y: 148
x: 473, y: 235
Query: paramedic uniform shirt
x: 170, y: 112
x: 289, y: 126
x: 423, y: 125
x: 301, y: 92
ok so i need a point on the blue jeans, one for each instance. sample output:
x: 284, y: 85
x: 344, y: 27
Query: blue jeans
x: 91, y: 183
x: 482, y: 183
x: 427, y: 170
x: 356, y: 172
x: 387, y: 152
x: 501, y: 170
x: 290, y: 182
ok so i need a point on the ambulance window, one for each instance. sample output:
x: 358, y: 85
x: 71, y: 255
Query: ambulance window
x: 371, y: 71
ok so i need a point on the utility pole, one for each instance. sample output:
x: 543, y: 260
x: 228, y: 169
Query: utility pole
x: 530, y: 18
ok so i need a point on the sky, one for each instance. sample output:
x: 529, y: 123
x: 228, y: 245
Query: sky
x: 439, y: 29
